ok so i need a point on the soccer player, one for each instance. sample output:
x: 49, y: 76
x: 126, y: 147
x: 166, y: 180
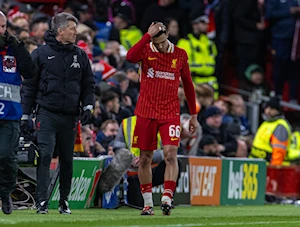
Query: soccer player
x: 158, y: 110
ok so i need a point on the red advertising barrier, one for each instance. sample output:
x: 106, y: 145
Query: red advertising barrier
x: 283, y: 181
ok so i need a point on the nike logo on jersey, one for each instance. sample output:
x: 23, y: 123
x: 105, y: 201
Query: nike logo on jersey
x: 174, y: 138
x: 50, y: 57
x: 151, y: 59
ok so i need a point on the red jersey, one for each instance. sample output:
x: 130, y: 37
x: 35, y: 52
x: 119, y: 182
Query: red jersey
x: 160, y: 79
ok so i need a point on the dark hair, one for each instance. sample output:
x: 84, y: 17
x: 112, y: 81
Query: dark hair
x: 19, y: 30
x: 82, y: 37
x: 38, y: 21
x: 11, y: 26
x: 207, y: 140
x: 29, y: 41
x: 161, y: 31
x: 120, y: 76
x: 108, y: 96
x: 168, y: 20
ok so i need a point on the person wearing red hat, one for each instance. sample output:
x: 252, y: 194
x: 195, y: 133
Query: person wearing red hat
x: 18, y: 18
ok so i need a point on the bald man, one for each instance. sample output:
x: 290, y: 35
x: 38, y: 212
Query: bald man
x: 15, y: 62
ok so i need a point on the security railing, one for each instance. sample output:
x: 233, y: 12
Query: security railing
x: 253, y: 102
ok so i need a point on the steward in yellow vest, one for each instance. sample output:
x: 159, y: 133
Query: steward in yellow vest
x: 272, y: 139
x: 129, y: 34
x: 202, y: 54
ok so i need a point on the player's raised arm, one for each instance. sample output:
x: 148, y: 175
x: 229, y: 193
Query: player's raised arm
x: 189, y: 93
x: 135, y: 53
x: 188, y: 86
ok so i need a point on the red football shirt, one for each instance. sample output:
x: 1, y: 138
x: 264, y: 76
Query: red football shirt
x: 160, y: 79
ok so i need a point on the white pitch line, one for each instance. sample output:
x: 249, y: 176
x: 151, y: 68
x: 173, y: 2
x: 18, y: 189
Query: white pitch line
x: 253, y: 223
x: 215, y: 224
x: 10, y: 222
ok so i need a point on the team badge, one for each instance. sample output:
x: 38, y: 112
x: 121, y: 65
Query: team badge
x: 174, y: 63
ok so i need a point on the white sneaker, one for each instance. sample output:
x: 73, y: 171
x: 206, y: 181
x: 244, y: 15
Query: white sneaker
x: 64, y: 208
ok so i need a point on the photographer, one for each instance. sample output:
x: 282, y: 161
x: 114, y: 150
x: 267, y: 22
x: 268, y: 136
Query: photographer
x: 15, y: 61
x: 65, y: 82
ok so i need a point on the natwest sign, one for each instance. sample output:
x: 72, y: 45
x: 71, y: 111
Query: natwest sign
x: 205, y: 178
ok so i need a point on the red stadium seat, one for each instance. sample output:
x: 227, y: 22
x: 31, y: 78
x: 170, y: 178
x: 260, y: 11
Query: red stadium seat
x: 283, y: 181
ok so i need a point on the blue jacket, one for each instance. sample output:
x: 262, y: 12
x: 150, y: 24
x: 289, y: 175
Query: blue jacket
x: 282, y: 21
x: 14, y: 60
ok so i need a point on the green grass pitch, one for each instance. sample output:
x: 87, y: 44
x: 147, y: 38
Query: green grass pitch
x: 182, y: 216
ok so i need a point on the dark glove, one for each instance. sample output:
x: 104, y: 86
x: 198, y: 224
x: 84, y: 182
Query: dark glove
x: 24, y: 126
x: 11, y: 40
x: 86, y: 117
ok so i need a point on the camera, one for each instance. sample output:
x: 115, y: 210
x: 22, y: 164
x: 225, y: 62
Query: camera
x: 27, y: 153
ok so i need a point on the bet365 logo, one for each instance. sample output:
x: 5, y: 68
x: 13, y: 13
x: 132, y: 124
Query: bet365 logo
x: 243, y: 184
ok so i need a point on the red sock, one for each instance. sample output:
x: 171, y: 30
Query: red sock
x: 146, y: 188
x: 169, y: 188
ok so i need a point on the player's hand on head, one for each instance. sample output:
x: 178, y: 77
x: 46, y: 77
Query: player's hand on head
x: 156, y: 28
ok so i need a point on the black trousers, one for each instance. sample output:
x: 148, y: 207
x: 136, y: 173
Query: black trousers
x: 9, y: 146
x: 285, y: 70
x: 247, y: 54
x: 55, y: 131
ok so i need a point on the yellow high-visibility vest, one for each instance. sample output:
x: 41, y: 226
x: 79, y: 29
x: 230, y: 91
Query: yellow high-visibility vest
x: 130, y: 36
x: 294, y: 149
x: 261, y: 147
x: 202, y: 54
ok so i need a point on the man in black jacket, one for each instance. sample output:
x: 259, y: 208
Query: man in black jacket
x: 63, y: 84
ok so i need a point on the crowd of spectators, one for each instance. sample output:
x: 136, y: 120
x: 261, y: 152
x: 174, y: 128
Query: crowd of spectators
x: 247, y: 29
